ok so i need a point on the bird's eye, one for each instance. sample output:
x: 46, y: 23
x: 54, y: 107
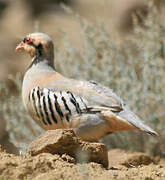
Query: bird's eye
x: 27, y: 40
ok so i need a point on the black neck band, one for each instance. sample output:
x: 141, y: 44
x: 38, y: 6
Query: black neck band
x: 38, y: 55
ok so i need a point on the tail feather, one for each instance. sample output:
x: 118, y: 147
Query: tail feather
x: 133, y: 119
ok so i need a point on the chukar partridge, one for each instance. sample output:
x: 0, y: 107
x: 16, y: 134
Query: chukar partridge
x: 55, y: 101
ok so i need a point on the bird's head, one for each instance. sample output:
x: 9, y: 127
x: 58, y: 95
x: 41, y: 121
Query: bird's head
x: 37, y: 44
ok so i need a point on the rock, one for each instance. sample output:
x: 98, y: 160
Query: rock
x: 137, y: 159
x: 62, y: 142
x: 128, y: 159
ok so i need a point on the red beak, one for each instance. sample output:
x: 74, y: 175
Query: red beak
x: 20, y: 46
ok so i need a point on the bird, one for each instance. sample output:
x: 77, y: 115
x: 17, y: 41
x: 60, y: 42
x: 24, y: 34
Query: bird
x: 54, y: 101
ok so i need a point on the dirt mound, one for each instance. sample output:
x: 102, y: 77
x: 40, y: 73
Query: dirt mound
x: 53, y: 155
x: 44, y: 165
x: 66, y: 142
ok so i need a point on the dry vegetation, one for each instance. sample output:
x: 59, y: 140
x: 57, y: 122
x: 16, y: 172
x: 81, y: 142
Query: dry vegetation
x: 134, y: 69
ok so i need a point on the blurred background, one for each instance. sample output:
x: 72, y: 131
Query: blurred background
x: 119, y: 43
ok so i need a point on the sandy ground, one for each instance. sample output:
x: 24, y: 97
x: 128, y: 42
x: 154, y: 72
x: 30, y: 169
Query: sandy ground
x: 50, y: 167
x: 51, y: 156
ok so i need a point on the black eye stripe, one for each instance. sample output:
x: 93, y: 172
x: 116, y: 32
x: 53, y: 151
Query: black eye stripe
x: 24, y: 40
x: 28, y: 40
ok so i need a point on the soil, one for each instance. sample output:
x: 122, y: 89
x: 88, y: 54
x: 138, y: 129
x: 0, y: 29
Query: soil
x: 44, y: 163
x: 52, y: 167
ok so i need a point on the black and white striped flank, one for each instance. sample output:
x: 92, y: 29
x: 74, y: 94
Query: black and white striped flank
x: 55, y: 107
